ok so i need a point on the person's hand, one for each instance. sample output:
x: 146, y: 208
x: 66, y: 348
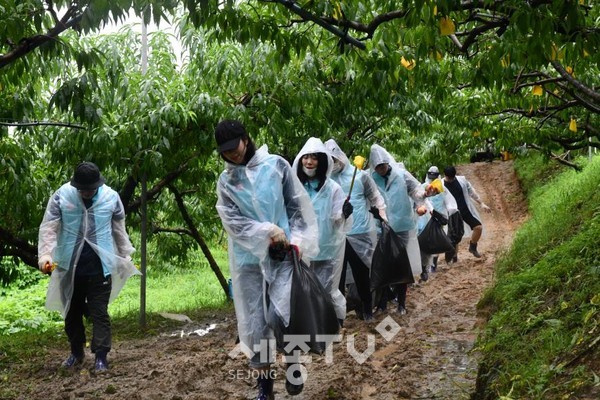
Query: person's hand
x: 45, y: 263
x: 278, y: 236
x: 383, y: 215
x: 347, y: 209
x: 431, y: 190
x: 421, y: 210
x: 485, y: 207
x: 296, y: 250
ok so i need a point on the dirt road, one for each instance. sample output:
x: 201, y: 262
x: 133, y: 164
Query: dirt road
x: 425, y: 354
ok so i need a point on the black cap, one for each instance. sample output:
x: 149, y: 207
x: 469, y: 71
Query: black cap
x: 87, y: 177
x: 228, y: 134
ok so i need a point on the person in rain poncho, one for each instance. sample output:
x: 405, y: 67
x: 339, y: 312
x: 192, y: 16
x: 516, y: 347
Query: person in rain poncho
x: 361, y: 240
x: 313, y: 165
x: 402, y: 192
x: 465, y: 195
x: 444, y: 204
x: 262, y: 206
x: 82, y: 238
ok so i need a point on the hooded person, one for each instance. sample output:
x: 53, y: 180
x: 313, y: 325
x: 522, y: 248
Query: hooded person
x: 443, y: 202
x: 402, y: 193
x: 263, y: 206
x: 465, y: 195
x: 83, y: 236
x: 361, y: 240
x: 313, y: 165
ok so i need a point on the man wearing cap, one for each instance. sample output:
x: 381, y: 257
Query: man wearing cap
x: 83, y: 242
x: 264, y: 208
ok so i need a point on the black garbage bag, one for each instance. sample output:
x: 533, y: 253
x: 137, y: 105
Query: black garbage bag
x: 433, y: 239
x: 390, y: 263
x: 353, y: 301
x: 311, y: 309
x: 456, y: 228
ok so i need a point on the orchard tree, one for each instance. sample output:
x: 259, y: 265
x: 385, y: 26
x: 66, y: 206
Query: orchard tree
x: 429, y: 80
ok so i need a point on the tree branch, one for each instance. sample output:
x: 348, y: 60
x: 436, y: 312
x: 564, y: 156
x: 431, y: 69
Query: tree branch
x: 156, y: 189
x: 43, y: 123
x: 15, y: 246
x: 196, y: 235
x: 553, y: 156
x: 293, y: 7
x: 27, y: 45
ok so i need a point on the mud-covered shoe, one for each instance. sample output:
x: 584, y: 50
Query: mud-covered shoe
x: 294, y: 389
x: 265, y: 389
x: 101, y: 365
x: 473, y: 250
x: 73, y: 361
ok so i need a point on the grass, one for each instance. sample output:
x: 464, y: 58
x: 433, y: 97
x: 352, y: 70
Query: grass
x: 27, y: 329
x: 545, y: 306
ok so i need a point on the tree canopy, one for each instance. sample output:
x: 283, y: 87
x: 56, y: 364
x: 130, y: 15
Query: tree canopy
x: 429, y: 80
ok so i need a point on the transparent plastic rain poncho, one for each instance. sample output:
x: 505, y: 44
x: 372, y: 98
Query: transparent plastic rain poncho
x: 252, y: 198
x: 402, y: 192
x: 67, y: 225
x: 470, y: 194
x: 444, y: 202
x: 363, y: 235
x: 327, y: 203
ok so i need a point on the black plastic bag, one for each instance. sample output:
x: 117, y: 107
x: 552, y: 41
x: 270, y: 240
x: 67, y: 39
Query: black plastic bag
x: 390, y: 263
x: 353, y: 301
x: 433, y: 239
x: 456, y: 228
x: 311, y: 309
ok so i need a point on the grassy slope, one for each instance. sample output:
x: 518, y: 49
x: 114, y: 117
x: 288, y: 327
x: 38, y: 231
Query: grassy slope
x: 542, y: 337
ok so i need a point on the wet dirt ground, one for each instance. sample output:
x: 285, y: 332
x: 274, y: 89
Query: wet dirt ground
x: 426, y: 354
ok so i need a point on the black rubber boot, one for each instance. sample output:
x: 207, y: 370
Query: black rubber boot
x: 293, y: 389
x: 101, y: 364
x: 368, y: 311
x: 424, y: 273
x: 473, y: 249
x: 265, y: 389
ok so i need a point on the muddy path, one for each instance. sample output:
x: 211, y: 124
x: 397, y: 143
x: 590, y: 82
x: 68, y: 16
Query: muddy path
x: 425, y: 354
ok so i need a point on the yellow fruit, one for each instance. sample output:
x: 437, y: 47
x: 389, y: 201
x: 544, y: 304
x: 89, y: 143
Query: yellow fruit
x: 407, y: 64
x: 537, y: 90
x: 573, y: 125
x: 447, y: 26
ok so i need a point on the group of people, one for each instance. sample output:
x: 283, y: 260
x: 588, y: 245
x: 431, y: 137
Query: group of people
x: 325, y: 210
x: 320, y: 209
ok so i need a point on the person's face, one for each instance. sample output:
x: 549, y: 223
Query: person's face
x: 237, y: 155
x: 382, y: 169
x: 310, y: 161
x: 337, y: 165
x: 87, y: 194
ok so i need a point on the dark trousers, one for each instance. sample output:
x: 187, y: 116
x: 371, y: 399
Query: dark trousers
x: 362, y: 277
x: 90, y: 298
